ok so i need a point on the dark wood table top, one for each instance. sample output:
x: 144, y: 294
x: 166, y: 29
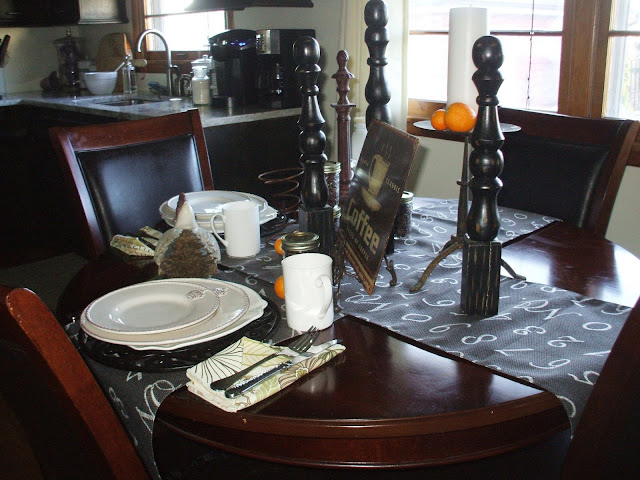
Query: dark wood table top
x: 387, y: 402
x: 382, y: 403
x: 570, y: 258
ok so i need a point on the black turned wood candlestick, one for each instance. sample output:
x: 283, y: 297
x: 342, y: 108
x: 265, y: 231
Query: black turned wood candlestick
x: 376, y: 91
x: 376, y: 37
x: 314, y: 215
x: 481, y: 253
x: 343, y: 108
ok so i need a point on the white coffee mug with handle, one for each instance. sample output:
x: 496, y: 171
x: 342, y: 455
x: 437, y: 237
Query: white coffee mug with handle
x: 241, y: 222
x: 308, y: 290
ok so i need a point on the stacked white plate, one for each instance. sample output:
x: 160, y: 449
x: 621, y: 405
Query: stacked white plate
x: 171, y: 314
x: 209, y: 202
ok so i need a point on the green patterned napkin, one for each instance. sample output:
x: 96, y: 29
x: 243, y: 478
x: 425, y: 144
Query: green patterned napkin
x: 241, y: 354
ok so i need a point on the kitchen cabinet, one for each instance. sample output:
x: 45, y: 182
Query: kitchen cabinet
x: 239, y: 152
x: 34, y: 204
x: 211, y: 5
x: 35, y: 13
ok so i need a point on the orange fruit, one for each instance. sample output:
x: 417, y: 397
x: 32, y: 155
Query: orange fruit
x: 459, y: 117
x: 278, y: 246
x: 279, y: 287
x: 437, y: 120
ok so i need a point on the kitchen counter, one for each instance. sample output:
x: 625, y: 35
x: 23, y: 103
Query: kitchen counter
x: 92, y: 104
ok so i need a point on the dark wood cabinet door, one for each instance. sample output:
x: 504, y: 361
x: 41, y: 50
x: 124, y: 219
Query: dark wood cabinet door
x: 27, y: 13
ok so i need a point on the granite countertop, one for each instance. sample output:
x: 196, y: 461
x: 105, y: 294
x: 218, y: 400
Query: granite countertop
x: 156, y: 106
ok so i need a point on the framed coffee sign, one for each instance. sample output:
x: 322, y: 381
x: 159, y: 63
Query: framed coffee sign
x: 374, y: 196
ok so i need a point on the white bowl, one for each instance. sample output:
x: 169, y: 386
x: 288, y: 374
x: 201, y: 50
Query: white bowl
x: 101, y: 83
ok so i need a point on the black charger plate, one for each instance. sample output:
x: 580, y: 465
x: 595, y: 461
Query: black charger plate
x: 127, y: 358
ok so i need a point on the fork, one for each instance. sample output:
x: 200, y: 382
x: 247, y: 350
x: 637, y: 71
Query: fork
x: 300, y: 345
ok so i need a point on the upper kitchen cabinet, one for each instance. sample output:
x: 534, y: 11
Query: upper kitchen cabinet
x: 211, y: 5
x: 41, y: 13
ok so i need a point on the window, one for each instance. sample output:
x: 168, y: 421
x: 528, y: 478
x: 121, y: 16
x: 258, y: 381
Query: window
x: 599, y: 61
x: 592, y: 71
x: 622, y: 81
x: 187, y: 33
x: 531, y: 35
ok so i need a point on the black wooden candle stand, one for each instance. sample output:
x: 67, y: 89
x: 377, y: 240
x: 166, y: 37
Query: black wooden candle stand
x: 314, y: 214
x: 481, y: 253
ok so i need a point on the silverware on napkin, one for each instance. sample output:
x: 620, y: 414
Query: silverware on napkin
x: 303, y: 343
x: 244, y: 385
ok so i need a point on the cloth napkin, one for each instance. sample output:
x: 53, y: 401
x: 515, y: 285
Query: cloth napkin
x: 141, y: 246
x: 241, y: 354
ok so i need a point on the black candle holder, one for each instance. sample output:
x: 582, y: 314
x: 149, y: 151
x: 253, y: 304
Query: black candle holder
x: 314, y: 215
x: 478, y: 225
x: 481, y: 253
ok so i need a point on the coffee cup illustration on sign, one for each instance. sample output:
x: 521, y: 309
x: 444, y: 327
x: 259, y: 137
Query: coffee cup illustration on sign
x: 377, y: 173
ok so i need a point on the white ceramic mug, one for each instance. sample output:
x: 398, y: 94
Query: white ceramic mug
x: 241, y: 222
x: 308, y: 291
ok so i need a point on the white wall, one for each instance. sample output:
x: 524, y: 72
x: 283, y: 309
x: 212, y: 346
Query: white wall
x: 31, y: 56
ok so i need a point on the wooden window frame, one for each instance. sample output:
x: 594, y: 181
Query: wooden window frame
x: 156, y: 59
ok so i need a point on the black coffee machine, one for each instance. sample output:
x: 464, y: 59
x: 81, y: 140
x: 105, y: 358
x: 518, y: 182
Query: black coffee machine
x: 276, y: 82
x: 234, y: 56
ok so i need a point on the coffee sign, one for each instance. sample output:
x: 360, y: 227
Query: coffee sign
x: 375, y: 193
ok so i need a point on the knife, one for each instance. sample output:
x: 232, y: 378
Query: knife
x: 243, y: 386
x: 226, y: 382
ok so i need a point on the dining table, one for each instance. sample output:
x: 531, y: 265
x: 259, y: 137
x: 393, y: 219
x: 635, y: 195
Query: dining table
x: 420, y: 385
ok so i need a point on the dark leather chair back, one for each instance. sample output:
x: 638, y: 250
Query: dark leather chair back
x: 68, y: 422
x: 565, y: 167
x: 121, y: 173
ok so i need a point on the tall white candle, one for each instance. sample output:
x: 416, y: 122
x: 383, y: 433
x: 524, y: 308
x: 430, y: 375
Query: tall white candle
x: 466, y: 25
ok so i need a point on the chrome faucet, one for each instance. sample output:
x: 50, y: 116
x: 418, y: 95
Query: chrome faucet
x: 170, y: 67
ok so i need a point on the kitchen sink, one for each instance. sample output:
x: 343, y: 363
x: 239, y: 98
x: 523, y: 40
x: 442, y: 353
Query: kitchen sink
x: 129, y: 101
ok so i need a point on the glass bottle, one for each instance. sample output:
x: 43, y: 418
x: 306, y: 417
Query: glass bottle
x: 69, y: 54
x: 129, y: 81
x: 332, y: 175
x: 200, y: 86
x: 300, y: 242
x: 402, y: 223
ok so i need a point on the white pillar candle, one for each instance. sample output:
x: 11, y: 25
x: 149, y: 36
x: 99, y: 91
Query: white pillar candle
x: 466, y: 25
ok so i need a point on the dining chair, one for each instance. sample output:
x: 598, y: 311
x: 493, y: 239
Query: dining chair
x: 118, y: 174
x: 67, y: 419
x: 565, y: 166
x: 606, y: 441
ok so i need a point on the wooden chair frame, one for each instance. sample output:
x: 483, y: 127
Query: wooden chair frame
x: 586, y: 131
x: 69, y: 140
x: 28, y: 327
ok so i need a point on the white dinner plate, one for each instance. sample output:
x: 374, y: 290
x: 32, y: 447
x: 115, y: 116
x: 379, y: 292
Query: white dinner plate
x: 147, y: 308
x: 206, y: 203
x: 239, y: 306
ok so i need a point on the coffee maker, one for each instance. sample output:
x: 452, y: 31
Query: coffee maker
x: 276, y: 81
x: 234, y: 56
